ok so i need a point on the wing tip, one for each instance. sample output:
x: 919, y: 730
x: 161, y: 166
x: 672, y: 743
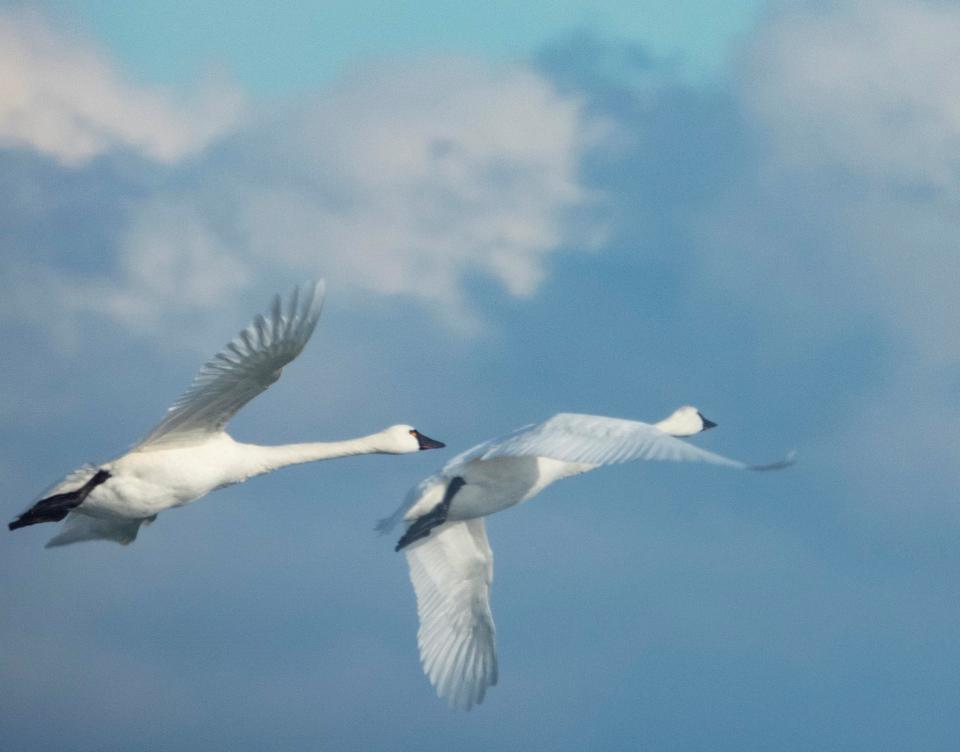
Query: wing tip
x: 788, y: 461
x: 315, y: 290
x: 384, y: 525
x: 306, y: 305
x: 462, y: 694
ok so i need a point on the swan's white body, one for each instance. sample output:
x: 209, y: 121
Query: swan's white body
x: 451, y: 564
x: 189, y: 454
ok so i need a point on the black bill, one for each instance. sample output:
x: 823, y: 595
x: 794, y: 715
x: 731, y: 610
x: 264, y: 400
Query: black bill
x: 427, y: 443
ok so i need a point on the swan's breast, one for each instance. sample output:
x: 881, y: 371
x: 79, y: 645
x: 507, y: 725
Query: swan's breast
x: 501, y: 482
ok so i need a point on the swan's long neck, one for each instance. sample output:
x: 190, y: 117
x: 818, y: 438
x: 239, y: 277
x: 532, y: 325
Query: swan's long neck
x: 264, y: 459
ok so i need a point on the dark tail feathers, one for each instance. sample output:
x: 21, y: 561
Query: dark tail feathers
x: 55, y: 508
x: 422, y: 526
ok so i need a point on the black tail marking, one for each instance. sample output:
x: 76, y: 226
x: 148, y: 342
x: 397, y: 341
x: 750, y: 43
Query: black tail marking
x: 55, y: 508
x: 422, y: 526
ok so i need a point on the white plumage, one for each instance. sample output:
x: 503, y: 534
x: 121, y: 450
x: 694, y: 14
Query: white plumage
x: 244, y: 368
x: 451, y: 575
x: 451, y: 564
x: 188, y: 454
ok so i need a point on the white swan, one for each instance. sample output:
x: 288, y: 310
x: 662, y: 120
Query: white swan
x: 451, y: 564
x: 189, y: 454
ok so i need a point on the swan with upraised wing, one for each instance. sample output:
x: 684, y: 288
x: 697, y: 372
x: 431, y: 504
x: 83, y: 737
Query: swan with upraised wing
x: 189, y: 453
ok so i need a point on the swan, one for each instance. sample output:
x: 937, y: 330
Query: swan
x: 451, y: 564
x: 189, y: 454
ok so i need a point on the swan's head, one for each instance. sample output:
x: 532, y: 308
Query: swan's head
x: 403, y: 439
x: 685, y: 422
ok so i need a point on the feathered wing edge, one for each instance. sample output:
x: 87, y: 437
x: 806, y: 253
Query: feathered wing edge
x: 580, y: 438
x: 451, y: 572
x: 245, y: 367
x: 599, y: 440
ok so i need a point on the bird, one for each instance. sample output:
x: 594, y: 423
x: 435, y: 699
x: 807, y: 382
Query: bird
x: 189, y: 453
x: 445, y: 542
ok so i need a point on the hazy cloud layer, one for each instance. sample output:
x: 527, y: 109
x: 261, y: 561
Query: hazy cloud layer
x: 867, y: 84
x: 848, y: 220
x: 860, y: 106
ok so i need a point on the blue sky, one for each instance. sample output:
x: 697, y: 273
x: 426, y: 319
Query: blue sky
x: 299, y: 45
x: 519, y: 211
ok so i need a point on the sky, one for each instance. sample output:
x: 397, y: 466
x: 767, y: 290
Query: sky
x: 520, y: 209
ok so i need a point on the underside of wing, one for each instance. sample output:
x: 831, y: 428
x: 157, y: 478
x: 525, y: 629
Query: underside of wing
x: 241, y: 370
x: 597, y: 440
x: 451, y: 573
x: 80, y: 527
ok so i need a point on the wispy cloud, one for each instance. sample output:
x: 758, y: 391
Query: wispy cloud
x: 62, y: 96
x: 404, y: 179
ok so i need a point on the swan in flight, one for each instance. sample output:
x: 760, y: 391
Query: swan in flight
x: 451, y: 564
x: 189, y: 454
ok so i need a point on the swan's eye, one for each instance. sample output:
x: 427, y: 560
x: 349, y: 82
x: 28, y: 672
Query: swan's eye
x: 413, y: 431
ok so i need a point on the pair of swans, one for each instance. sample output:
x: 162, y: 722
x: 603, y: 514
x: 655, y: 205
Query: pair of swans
x: 189, y: 454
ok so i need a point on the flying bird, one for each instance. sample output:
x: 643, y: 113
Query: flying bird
x: 451, y: 564
x: 189, y: 454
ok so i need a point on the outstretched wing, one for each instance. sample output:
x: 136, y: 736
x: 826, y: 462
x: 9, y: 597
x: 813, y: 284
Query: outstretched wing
x: 241, y: 370
x: 598, y: 440
x: 451, y: 573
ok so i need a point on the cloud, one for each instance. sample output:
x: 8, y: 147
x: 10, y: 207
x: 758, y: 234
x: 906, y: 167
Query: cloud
x: 800, y: 214
x: 799, y: 295
x: 405, y: 179
x: 62, y: 96
x: 846, y: 221
x: 171, y: 266
x: 858, y: 106
x: 868, y: 85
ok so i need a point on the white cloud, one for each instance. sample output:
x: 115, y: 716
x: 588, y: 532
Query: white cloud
x: 171, y: 263
x: 869, y: 91
x: 872, y: 85
x: 62, y: 96
x: 405, y: 179
x: 850, y: 223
